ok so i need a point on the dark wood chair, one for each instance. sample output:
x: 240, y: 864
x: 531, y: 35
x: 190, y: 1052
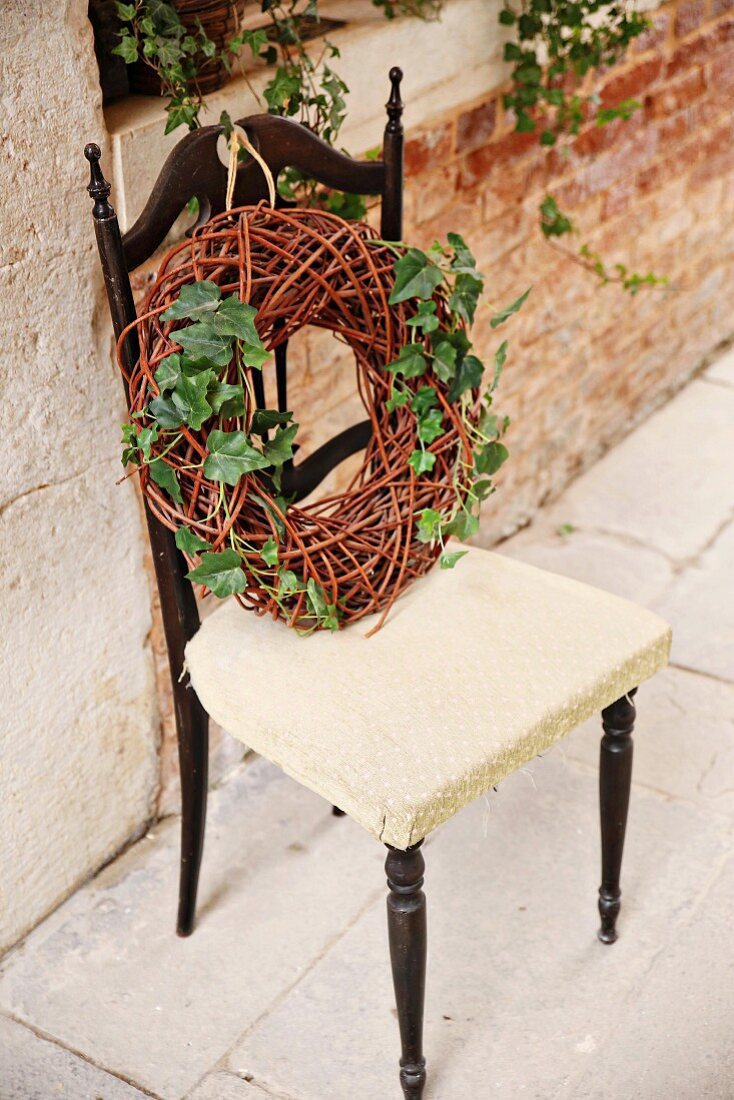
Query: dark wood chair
x: 566, y: 651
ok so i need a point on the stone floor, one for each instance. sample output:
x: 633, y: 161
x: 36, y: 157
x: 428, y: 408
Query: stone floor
x: 284, y: 990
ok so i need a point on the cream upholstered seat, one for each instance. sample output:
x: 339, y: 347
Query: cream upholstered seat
x: 476, y: 671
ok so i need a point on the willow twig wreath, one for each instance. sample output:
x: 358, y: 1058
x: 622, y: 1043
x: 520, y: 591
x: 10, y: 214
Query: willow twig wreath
x: 210, y: 462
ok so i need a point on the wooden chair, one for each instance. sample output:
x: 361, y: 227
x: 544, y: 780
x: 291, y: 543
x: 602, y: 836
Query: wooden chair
x: 533, y: 653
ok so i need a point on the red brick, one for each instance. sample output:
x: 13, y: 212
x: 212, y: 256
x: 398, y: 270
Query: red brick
x: 434, y: 192
x: 674, y: 128
x: 631, y: 84
x: 721, y: 72
x: 618, y: 164
x: 618, y: 198
x: 688, y: 17
x: 475, y: 127
x: 701, y: 47
x: 476, y: 166
x: 679, y: 93
x: 669, y: 167
x: 429, y: 149
x: 720, y: 6
x: 655, y: 34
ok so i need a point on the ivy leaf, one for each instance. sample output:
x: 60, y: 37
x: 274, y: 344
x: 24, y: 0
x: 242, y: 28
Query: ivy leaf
x: 482, y: 489
x: 468, y: 377
x: 190, y: 399
x: 194, y: 302
x: 430, y: 425
x: 422, y: 461
x: 221, y: 572
x: 462, y: 526
x: 188, y: 541
x: 450, y: 557
x: 146, y: 438
x: 288, y: 583
x: 429, y: 521
x: 164, y: 476
x: 465, y: 296
x: 490, y: 458
x: 444, y: 361
x: 127, y: 49
x: 230, y: 456
x: 280, y: 449
x: 226, y: 400
x: 398, y: 399
x: 463, y: 261
x: 281, y: 90
x: 265, y: 419
x: 269, y: 552
x: 325, y: 612
x: 500, y: 357
x: 411, y: 362
x: 203, y: 345
x: 416, y: 276
x: 425, y: 318
x: 165, y: 412
x: 423, y: 399
x: 169, y: 372
x: 508, y: 311
x: 126, y: 12
x: 235, y: 318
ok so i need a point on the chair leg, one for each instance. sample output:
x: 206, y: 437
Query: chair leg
x: 192, y: 723
x: 615, y: 776
x: 406, y: 925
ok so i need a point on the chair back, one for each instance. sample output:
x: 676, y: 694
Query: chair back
x: 194, y: 169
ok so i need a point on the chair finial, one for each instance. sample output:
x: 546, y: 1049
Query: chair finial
x: 394, y: 104
x: 99, y: 189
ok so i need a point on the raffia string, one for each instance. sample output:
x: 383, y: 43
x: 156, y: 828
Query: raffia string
x: 238, y: 139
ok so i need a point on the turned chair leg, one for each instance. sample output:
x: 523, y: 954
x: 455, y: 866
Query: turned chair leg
x: 406, y: 925
x: 615, y: 776
x: 192, y: 723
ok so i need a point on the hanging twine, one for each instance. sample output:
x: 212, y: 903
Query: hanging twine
x: 240, y: 140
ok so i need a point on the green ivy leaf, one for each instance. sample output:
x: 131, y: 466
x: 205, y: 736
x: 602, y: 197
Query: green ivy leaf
x: 231, y: 455
x: 169, y: 372
x: 422, y: 461
x: 462, y: 526
x: 265, y: 419
x: 468, y: 377
x: 127, y: 49
x: 203, y: 345
x: 226, y: 400
x: 188, y: 541
x: 164, y: 476
x: 398, y: 399
x: 490, y: 458
x: 280, y: 449
x: 281, y: 91
x: 449, y: 558
x: 126, y: 12
x: 288, y: 583
x: 425, y: 318
x: 430, y: 425
x: 411, y: 362
x: 221, y: 572
x: 429, y: 521
x: 416, y: 276
x: 190, y: 398
x: 165, y: 412
x: 508, y: 311
x: 235, y: 318
x: 269, y: 552
x: 423, y: 399
x: 500, y: 357
x: 444, y: 361
x: 465, y: 296
x: 195, y: 301
x: 325, y: 612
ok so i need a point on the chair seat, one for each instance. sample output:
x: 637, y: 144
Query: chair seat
x: 476, y: 671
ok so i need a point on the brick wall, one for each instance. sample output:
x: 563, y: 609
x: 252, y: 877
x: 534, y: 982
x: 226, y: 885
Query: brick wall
x: 657, y: 193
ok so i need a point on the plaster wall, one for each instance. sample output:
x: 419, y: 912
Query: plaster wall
x: 78, y: 752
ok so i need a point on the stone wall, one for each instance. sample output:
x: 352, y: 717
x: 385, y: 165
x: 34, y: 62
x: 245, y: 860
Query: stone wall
x: 78, y: 752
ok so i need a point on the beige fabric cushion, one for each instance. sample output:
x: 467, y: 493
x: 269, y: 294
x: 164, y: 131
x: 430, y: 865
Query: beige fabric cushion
x: 475, y: 672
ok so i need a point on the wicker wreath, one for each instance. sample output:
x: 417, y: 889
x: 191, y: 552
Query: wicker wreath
x: 359, y: 547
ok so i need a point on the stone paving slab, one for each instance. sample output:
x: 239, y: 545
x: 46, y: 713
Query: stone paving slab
x: 679, y: 1041
x: 107, y: 975
x: 700, y: 605
x: 521, y: 996
x: 31, y: 1068
x: 225, y: 1086
x: 668, y: 486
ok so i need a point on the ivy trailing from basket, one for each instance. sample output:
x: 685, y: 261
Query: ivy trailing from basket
x: 189, y: 391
